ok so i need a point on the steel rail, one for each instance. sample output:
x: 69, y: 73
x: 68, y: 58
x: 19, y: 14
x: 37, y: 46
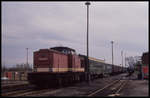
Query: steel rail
x: 13, y: 88
x: 15, y: 92
x: 13, y: 84
x: 31, y: 92
x: 38, y: 92
x: 99, y: 90
x: 121, y: 87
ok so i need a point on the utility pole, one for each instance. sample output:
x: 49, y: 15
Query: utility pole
x: 27, y: 58
x: 4, y: 64
x: 112, y: 57
x: 125, y: 59
x: 88, y: 75
x: 122, y: 59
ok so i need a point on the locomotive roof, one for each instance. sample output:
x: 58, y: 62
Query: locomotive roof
x: 62, y: 48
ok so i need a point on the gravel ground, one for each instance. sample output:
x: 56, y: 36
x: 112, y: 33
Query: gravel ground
x: 136, y: 88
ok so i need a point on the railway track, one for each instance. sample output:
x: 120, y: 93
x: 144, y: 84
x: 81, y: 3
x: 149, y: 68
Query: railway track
x: 22, y: 90
x: 31, y: 92
x: 7, y: 85
x: 111, y: 89
x: 16, y: 92
x: 26, y: 90
x: 119, y: 89
x: 11, y: 88
x: 12, y: 84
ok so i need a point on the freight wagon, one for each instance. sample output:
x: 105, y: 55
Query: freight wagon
x: 15, y: 75
x: 145, y: 65
x: 62, y: 66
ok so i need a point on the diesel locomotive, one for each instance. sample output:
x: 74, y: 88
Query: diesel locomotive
x: 62, y: 66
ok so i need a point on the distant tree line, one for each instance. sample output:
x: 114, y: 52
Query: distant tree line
x: 133, y: 62
x: 17, y: 67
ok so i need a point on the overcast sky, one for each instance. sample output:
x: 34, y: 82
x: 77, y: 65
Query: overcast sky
x: 37, y: 25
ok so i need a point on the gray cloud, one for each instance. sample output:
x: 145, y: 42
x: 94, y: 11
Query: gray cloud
x: 46, y: 24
